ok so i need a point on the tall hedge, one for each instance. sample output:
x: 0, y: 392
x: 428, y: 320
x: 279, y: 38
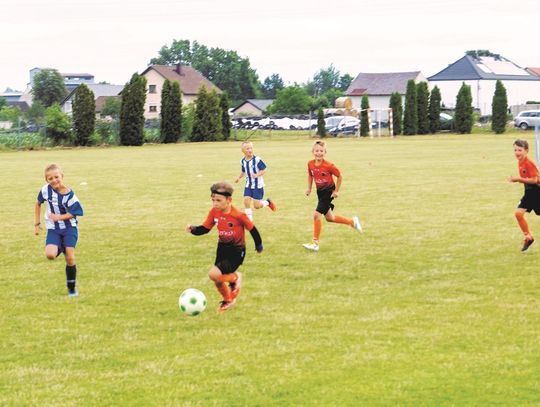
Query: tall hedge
x: 207, y: 122
x: 410, y: 115
x: 463, y: 118
x: 84, y: 115
x: 132, y: 111
x: 396, y: 104
x: 499, y: 109
x: 364, y: 125
x: 225, y: 118
x: 435, y: 110
x: 171, y: 113
x: 321, y: 124
x: 422, y: 106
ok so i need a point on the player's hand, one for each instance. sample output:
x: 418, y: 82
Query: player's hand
x: 188, y: 228
x: 236, y: 180
x: 511, y: 178
x: 308, y: 191
x: 335, y: 194
x: 37, y: 229
x: 54, y: 217
x: 259, y: 248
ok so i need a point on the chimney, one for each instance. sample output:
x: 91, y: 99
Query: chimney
x: 178, y: 68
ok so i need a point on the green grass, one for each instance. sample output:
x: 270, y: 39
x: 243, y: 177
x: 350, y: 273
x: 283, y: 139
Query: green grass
x: 433, y: 305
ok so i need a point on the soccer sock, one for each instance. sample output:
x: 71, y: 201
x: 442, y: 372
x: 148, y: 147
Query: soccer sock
x: 228, y: 278
x: 317, y: 226
x: 341, y: 219
x: 523, y: 223
x: 249, y: 213
x: 224, y: 290
x: 71, y: 276
x: 264, y: 203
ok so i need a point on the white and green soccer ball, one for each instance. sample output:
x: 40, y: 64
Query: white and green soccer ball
x: 192, y: 302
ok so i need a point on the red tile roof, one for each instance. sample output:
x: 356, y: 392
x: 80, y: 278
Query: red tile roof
x: 190, y: 79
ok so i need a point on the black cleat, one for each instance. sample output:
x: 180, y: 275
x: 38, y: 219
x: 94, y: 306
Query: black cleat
x: 526, y: 244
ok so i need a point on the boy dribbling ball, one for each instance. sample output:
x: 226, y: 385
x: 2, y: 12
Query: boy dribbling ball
x: 231, y: 248
x: 62, y: 209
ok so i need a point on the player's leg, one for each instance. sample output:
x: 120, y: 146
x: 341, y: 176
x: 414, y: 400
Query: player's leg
x: 247, y: 204
x: 217, y: 277
x: 53, y: 244
x: 70, y: 241
x: 317, y: 227
x: 524, y: 226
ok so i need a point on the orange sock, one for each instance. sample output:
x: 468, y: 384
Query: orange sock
x: 341, y: 219
x: 520, y: 216
x: 317, y: 226
x: 228, y: 278
x: 224, y: 290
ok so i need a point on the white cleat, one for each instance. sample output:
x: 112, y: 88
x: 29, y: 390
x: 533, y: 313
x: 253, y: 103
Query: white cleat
x: 357, y: 225
x: 311, y: 246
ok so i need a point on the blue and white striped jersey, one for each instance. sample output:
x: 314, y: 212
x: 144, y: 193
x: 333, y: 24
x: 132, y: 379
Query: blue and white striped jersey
x: 250, y: 167
x: 60, y: 204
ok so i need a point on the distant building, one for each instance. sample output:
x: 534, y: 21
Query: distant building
x: 481, y: 74
x: 71, y: 80
x: 189, y: 79
x: 11, y: 96
x: 251, y: 107
x: 379, y: 88
x: 101, y: 92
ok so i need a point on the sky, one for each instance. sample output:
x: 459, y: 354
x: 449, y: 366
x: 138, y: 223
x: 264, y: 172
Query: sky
x: 112, y: 39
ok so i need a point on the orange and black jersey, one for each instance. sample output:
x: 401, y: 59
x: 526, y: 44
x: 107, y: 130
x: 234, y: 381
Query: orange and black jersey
x: 528, y: 169
x: 230, y: 227
x: 323, y: 173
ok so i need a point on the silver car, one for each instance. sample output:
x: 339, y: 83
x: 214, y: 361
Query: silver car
x: 527, y: 118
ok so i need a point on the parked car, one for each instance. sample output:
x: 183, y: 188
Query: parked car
x: 446, y: 121
x: 337, y: 124
x: 527, y: 118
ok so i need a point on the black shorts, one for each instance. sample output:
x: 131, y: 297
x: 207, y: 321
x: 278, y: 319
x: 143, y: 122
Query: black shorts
x: 531, y: 200
x: 229, y: 258
x: 325, y: 200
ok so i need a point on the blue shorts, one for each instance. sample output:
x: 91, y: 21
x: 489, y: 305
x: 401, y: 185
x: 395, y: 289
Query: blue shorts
x: 255, y: 193
x: 62, y: 238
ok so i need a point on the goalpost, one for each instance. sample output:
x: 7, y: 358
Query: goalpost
x: 378, y: 120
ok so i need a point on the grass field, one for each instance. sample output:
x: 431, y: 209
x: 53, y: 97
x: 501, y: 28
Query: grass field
x: 433, y: 305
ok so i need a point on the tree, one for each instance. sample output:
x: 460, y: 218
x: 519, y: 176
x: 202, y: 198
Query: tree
x: 111, y: 107
x: 396, y: 104
x: 325, y: 79
x: 321, y: 124
x: 422, y: 106
x: 225, y: 118
x: 36, y: 113
x: 58, y: 124
x: 463, y: 116
x: 3, y: 102
x: 171, y: 112
x: 410, y: 115
x: 225, y: 68
x: 364, y: 123
x: 84, y: 115
x: 344, y: 82
x: 207, y: 122
x: 132, y: 111
x: 48, y: 87
x: 291, y: 100
x: 271, y: 85
x: 435, y: 110
x: 499, y: 109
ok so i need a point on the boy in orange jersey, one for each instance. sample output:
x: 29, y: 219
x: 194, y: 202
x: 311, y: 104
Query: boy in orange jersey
x: 231, y: 248
x: 528, y: 176
x: 323, y: 172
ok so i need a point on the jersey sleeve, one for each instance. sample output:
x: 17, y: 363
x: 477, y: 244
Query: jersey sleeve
x: 532, y: 169
x: 40, y: 197
x: 261, y: 165
x: 246, y: 222
x: 209, y: 221
x: 74, y: 206
x: 334, y: 170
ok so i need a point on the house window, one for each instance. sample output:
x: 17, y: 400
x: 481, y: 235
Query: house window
x: 151, y: 88
x: 153, y: 108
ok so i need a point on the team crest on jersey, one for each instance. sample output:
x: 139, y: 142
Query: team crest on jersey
x: 230, y: 224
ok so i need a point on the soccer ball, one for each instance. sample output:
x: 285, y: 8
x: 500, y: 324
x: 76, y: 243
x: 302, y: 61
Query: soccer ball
x: 192, y: 302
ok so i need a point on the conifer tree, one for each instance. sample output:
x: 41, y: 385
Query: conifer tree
x: 132, y: 111
x: 396, y: 104
x: 499, y: 108
x: 214, y: 117
x: 321, y: 125
x: 225, y: 118
x: 84, y: 115
x: 207, y: 122
x: 410, y: 115
x: 165, y: 93
x: 171, y: 119
x: 463, y: 117
x: 435, y: 110
x: 364, y: 125
x: 422, y: 105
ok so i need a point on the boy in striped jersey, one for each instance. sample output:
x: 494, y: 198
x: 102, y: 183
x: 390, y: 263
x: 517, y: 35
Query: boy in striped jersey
x: 253, y: 168
x: 231, y: 248
x: 61, y: 213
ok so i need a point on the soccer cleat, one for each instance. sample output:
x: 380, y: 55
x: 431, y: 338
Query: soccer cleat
x: 235, y: 287
x: 526, y: 244
x: 311, y: 246
x: 225, y: 305
x: 356, y: 224
x: 73, y: 292
x: 272, y: 205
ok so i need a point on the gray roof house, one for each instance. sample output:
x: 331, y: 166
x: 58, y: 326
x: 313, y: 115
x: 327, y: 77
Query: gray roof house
x: 100, y: 92
x: 251, y: 107
x: 481, y: 74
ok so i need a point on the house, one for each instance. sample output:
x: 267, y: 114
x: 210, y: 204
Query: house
x: 101, y: 92
x: 251, y: 107
x: 379, y: 87
x: 481, y: 74
x: 533, y: 71
x: 189, y: 79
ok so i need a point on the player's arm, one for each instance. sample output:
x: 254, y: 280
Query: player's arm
x: 339, y: 179
x: 37, y: 218
x: 197, y: 230
x: 257, y: 239
x: 242, y: 174
x: 55, y: 218
x: 309, y: 183
x: 259, y: 173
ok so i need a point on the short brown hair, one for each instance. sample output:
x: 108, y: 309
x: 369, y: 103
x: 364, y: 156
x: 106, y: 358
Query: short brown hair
x: 222, y: 188
x: 51, y: 167
x: 522, y: 143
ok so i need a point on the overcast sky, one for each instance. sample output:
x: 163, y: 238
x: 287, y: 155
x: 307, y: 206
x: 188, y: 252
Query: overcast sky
x: 112, y: 39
